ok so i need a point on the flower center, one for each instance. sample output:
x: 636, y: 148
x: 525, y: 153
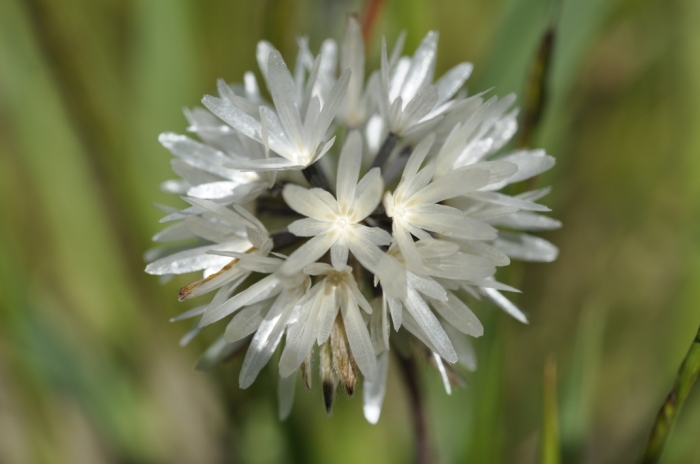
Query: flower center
x: 342, y: 223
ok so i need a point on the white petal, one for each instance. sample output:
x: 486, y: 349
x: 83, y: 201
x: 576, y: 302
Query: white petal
x: 266, y: 288
x: 308, y: 253
x: 524, y: 220
x: 484, y: 250
x: 443, y: 373
x: 429, y: 323
x: 339, y: 255
x: 419, y: 106
x: 373, y: 391
x: 195, y: 259
x: 308, y: 227
x: 454, y: 184
x: 463, y: 347
x: 422, y: 67
x: 417, y: 157
x: 285, y: 395
x: 173, y: 233
x: 358, y: 338
x: 459, y: 315
x: 233, y: 116
x: 246, y: 321
x: 505, y: 304
x: 426, y: 286
x: 266, y: 339
x: 217, y: 352
x: 330, y: 106
x: 279, y: 82
x: 349, y: 169
x: 308, y: 202
x: 369, y: 194
x: 526, y: 247
x: 194, y: 312
x: 530, y: 163
x: 452, y: 81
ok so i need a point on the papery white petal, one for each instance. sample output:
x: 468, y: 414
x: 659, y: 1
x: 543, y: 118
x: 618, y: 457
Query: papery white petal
x: 285, y: 395
x: 266, y: 288
x: 459, y: 315
x: 247, y: 321
x: 358, y: 338
x: 349, y: 169
x: 308, y: 253
x: 452, y: 81
x: 526, y: 247
x: 373, y: 391
x: 308, y: 202
x: 429, y: 323
x: 265, y: 340
x: 369, y: 194
x: 443, y: 373
x: 505, y: 304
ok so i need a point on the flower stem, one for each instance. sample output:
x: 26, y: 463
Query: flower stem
x: 423, y: 454
x: 666, y: 418
x: 316, y: 177
x: 385, y: 150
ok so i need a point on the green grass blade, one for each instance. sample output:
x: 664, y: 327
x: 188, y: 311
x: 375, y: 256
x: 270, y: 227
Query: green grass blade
x: 668, y: 414
x: 551, y: 449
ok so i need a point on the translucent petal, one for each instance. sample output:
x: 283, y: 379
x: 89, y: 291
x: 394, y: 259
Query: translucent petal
x: 505, y: 304
x: 246, y: 321
x: 452, y: 81
x: 265, y: 340
x: 429, y: 323
x: 422, y: 67
x: 285, y: 395
x: 331, y: 105
x: 459, y: 315
x: 419, y: 107
x: 279, y: 82
x: 218, y: 352
x: 373, y: 391
x: 463, y: 347
x: 358, y: 338
x: 524, y: 220
x: 233, y: 116
x: 262, y: 290
x: 526, y: 247
x: 443, y: 373
x: 195, y: 259
x: 530, y: 163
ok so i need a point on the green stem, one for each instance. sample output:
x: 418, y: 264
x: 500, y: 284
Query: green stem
x: 666, y: 418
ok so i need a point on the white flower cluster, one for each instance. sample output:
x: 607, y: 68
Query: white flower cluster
x: 350, y: 256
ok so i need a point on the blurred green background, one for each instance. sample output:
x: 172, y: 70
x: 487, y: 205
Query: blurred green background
x: 90, y: 370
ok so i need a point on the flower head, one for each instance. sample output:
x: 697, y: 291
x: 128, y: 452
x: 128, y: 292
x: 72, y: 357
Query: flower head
x: 357, y: 259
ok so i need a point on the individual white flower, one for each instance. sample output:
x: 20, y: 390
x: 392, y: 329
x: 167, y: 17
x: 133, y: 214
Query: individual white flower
x: 335, y: 223
x: 415, y: 209
x: 335, y: 293
x: 296, y: 132
x: 226, y: 230
x: 410, y: 104
x: 205, y: 174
